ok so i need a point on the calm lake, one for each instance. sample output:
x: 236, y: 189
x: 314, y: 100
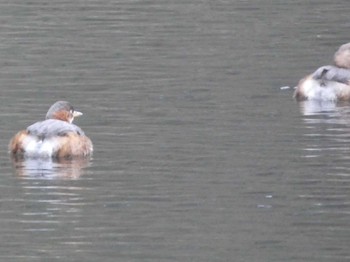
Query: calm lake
x: 200, y: 155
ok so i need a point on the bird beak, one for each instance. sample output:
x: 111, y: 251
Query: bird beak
x: 77, y: 113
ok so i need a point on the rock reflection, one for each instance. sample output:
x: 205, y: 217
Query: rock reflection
x: 50, y: 168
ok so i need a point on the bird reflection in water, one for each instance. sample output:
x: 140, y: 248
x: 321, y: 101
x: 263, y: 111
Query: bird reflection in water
x: 50, y: 168
x: 327, y: 127
x: 312, y: 107
x: 338, y: 111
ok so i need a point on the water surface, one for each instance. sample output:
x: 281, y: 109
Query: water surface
x: 199, y: 156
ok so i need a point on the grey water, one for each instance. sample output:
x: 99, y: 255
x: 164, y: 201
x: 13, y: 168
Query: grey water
x: 200, y: 155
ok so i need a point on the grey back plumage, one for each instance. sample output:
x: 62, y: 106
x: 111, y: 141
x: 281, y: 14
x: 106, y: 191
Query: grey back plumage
x: 332, y: 73
x: 53, y: 127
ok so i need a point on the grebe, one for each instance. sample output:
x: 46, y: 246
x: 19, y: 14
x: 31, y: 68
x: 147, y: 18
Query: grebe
x: 328, y: 83
x: 54, y: 137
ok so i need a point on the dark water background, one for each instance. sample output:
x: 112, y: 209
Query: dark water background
x: 199, y: 156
